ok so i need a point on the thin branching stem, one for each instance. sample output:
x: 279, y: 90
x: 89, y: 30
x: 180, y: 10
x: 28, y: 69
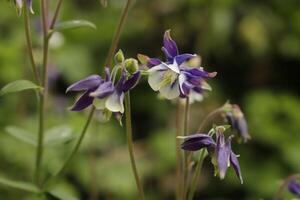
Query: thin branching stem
x: 56, y: 13
x: 185, y: 154
x: 179, y: 181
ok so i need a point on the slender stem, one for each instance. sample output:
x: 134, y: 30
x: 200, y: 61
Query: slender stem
x: 196, y: 175
x: 75, y: 150
x: 43, y: 96
x: 285, y: 183
x: 56, y: 14
x: 185, y: 154
x: 117, y: 34
x: 178, y: 153
x: 209, y: 118
x: 130, y: 145
x: 29, y: 44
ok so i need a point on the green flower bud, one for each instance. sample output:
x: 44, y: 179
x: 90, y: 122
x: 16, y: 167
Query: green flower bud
x: 131, y: 65
x: 119, y: 57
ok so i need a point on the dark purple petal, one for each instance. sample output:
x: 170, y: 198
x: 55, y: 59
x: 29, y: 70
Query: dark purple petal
x: 294, y: 188
x: 153, y: 62
x: 104, y: 90
x: 223, y: 155
x: 107, y: 74
x: 120, y: 84
x: 197, y: 142
x: 198, y: 90
x: 132, y: 82
x: 170, y: 47
x: 183, y: 58
x: 83, y: 102
x: 201, y: 73
x: 85, y: 84
x: 236, y: 166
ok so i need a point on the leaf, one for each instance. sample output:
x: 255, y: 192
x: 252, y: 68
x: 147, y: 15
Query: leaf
x: 19, y: 185
x: 21, y: 135
x: 72, y: 24
x: 59, y: 195
x: 18, y: 86
x: 58, y: 135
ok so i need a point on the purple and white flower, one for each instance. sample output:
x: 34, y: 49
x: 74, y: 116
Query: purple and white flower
x: 294, y: 188
x: 174, y: 77
x: 220, y: 151
x: 102, y: 92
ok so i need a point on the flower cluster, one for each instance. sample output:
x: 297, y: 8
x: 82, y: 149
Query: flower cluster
x: 219, y: 149
x: 177, y: 76
x: 236, y: 119
x: 102, y: 92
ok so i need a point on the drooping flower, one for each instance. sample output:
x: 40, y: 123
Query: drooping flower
x: 102, y: 92
x: 220, y: 151
x: 236, y: 119
x: 19, y: 4
x: 175, y: 77
x: 294, y: 188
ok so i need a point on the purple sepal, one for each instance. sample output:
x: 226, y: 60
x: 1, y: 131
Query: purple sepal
x: 85, y: 84
x: 197, y: 142
x: 294, y: 188
x: 153, y: 62
x: 183, y: 58
x: 236, y: 166
x: 223, y: 154
x: 170, y: 47
x: 104, y: 90
x: 132, y: 81
x: 83, y: 102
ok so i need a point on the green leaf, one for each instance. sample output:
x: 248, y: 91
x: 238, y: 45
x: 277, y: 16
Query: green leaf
x: 59, y: 195
x: 19, y: 185
x: 72, y: 24
x: 18, y: 86
x: 21, y: 135
x: 58, y: 135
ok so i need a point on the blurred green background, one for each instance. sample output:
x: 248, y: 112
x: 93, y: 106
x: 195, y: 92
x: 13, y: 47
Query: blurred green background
x: 253, y: 45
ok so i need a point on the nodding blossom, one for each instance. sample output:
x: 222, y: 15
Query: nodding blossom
x: 220, y: 151
x: 236, y: 119
x: 294, y: 188
x: 102, y: 92
x: 176, y: 77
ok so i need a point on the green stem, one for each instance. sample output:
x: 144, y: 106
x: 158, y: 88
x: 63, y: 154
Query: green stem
x: 196, y: 175
x: 178, y: 153
x: 285, y: 183
x: 185, y: 154
x: 29, y: 44
x: 56, y: 14
x: 130, y: 145
x: 75, y: 150
x: 117, y: 34
x: 209, y: 118
x: 43, y: 96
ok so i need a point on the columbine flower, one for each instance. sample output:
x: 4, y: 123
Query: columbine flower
x: 236, y: 119
x: 175, y: 77
x: 102, y: 93
x: 220, y: 151
x: 20, y: 3
x: 294, y: 188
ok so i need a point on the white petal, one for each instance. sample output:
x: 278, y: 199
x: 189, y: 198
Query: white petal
x: 114, y: 103
x: 170, y: 92
x: 155, y: 78
x: 99, y: 103
x: 174, y: 67
x: 194, y: 96
x: 181, y: 79
x: 157, y: 68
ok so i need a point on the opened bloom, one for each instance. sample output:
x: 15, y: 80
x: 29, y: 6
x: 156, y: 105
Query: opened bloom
x: 175, y: 77
x: 102, y: 92
x: 236, y: 119
x: 294, y: 188
x: 220, y: 151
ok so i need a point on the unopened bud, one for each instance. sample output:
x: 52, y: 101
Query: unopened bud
x: 131, y: 65
x: 119, y: 57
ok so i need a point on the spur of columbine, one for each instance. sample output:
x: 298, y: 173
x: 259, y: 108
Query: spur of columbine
x: 219, y: 149
x: 179, y: 76
x: 102, y: 92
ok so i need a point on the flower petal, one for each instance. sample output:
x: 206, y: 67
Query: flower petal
x: 132, y: 82
x: 83, y: 102
x: 114, y: 102
x: 223, y: 155
x: 294, y: 188
x: 170, y: 47
x: 107, y: 74
x: 156, y: 75
x: 86, y: 84
x: 104, y: 90
x: 29, y: 5
x: 196, y: 142
x: 183, y: 58
x: 120, y: 84
x: 170, y: 91
x: 153, y: 62
x: 236, y: 166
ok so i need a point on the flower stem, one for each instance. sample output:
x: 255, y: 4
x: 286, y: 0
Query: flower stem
x: 130, y: 145
x: 29, y: 44
x: 178, y: 153
x: 117, y: 34
x: 43, y: 96
x: 185, y: 154
x: 56, y: 14
x: 209, y: 118
x: 280, y: 190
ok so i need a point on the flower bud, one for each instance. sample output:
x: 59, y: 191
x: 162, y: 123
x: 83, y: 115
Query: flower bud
x: 131, y: 65
x: 119, y: 57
